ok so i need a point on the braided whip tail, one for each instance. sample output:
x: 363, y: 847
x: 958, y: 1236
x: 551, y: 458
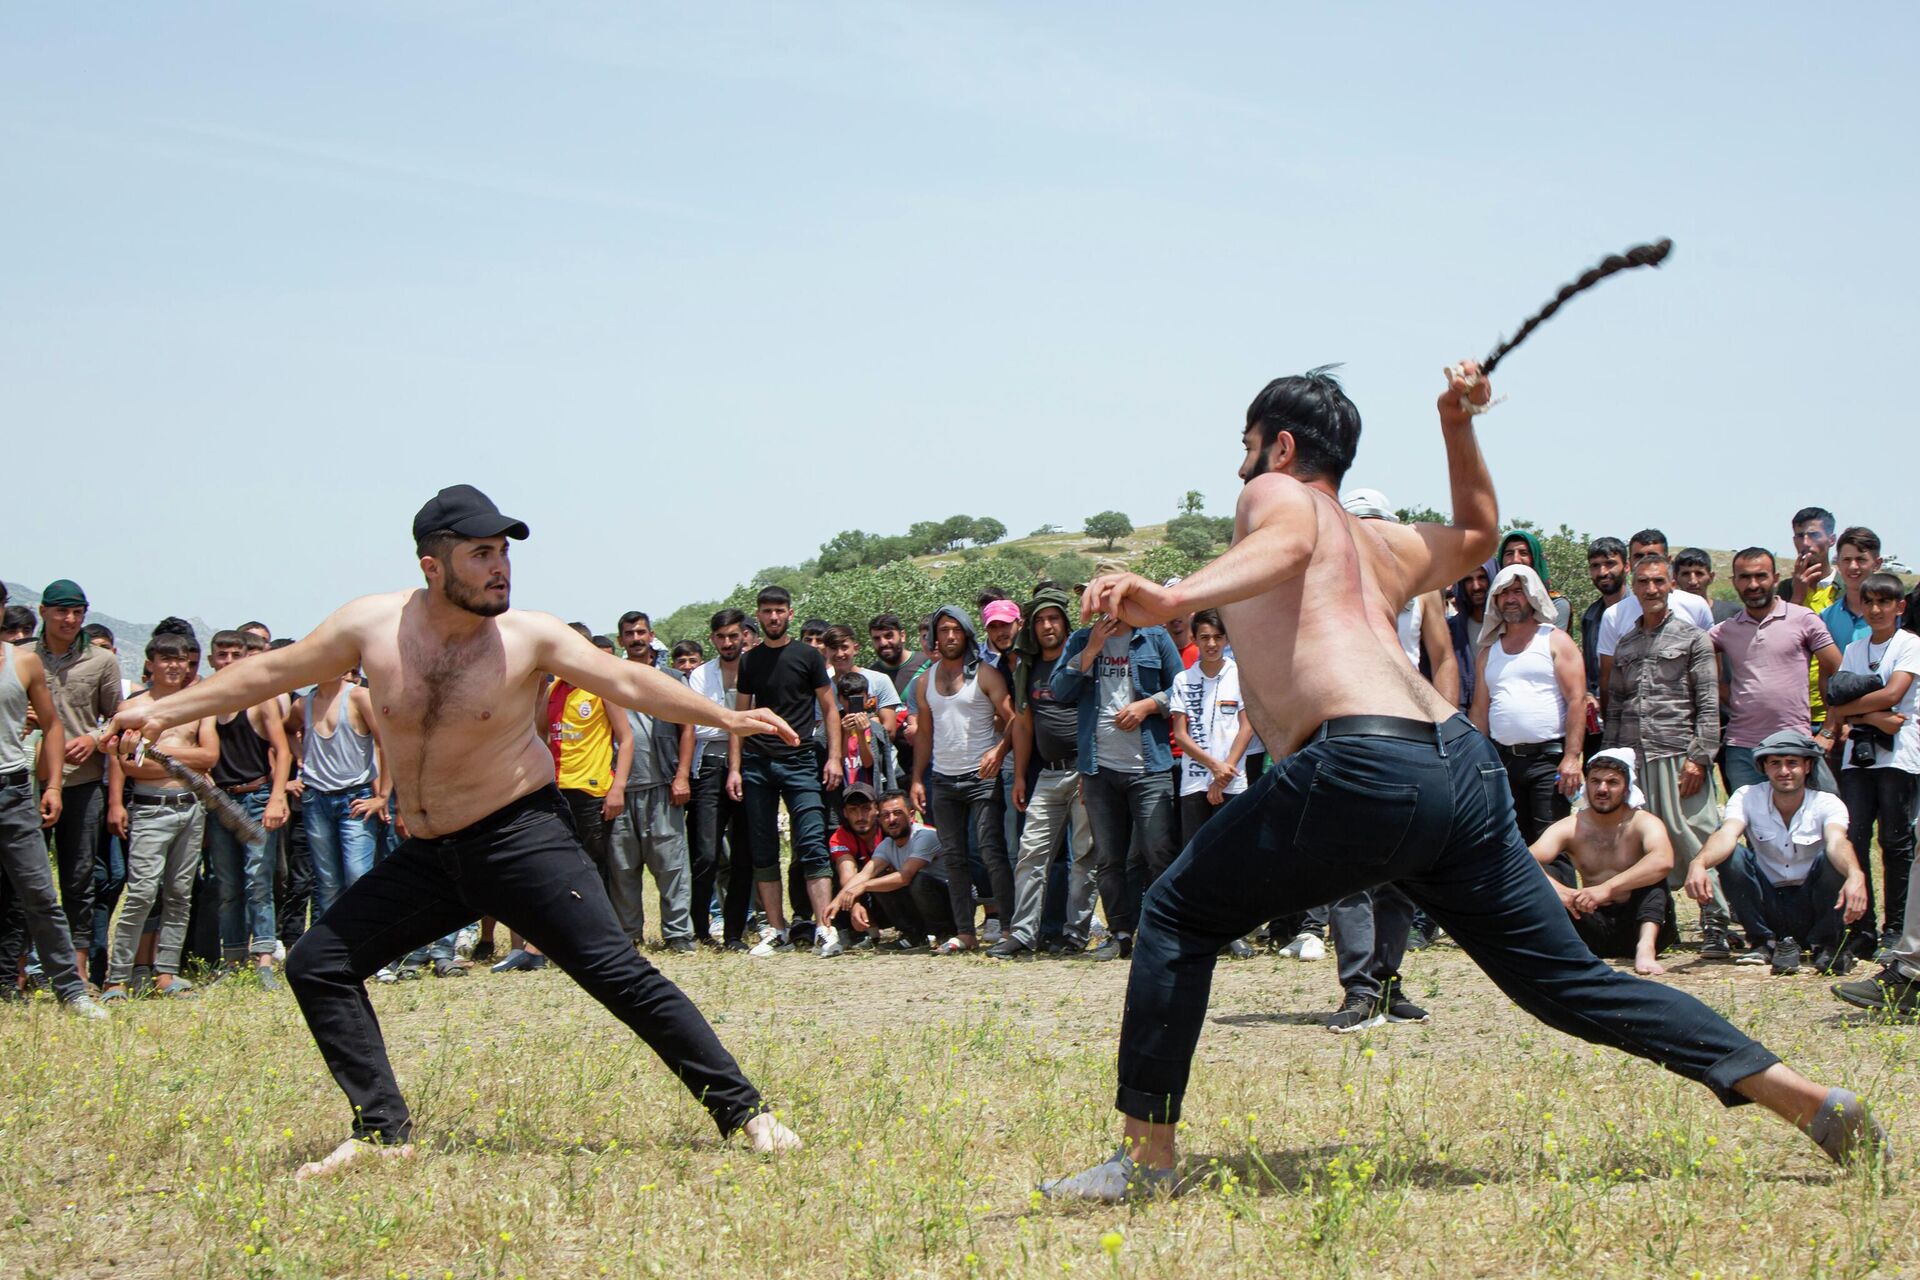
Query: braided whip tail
x: 221, y: 805
x: 1641, y: 255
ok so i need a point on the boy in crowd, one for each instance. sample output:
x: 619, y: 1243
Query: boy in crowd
x: 1212, y: 734
x: 163, y: 825
x: 1609, y: 864
x: 1880, y: 761
x: 254, y: 767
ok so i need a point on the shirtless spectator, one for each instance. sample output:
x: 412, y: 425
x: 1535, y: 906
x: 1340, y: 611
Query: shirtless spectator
x: 1609, y: 864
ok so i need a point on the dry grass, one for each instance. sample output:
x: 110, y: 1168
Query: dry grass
x: 934, y: 1093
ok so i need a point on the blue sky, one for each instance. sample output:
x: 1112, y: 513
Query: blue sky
x: 691, y: 288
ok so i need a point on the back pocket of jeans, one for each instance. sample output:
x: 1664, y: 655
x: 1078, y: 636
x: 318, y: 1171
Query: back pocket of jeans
x: 1354, y: 820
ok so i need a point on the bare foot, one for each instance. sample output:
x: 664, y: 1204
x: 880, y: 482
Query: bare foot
x: 345, y: 1154
x: 769, y: 1137
x: 1648, y: 967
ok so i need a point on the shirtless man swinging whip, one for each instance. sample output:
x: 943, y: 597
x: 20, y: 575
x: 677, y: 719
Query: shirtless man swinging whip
x: 1378, y: 779
x: 453, y: 671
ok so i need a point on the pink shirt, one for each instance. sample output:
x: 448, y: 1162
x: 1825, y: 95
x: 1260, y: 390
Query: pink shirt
x: 1768, y: 657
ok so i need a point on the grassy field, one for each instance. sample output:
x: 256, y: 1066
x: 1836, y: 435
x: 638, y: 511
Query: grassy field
x: 933, y: 1094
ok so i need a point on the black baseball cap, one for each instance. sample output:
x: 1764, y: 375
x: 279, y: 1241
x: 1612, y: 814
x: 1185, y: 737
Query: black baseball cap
x: 463, y: 509
x: 860, y: 789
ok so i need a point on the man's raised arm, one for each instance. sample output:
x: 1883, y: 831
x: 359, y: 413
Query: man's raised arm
x: 333, y: 649
x: 561, y: 650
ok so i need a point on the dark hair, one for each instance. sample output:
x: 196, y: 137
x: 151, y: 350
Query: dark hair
x: 178, y: 626
x: 1648, y: 536
x: 601, y: 642
x: 1805, y: 514
x: 1756, y: 553
x: 1602, y: 761
x: 1692, y: 555
x: 170, y: 645
x: 774, y: 595
x: 892, y: 794
x: 1654, y: 557
x: 726, y: 618
x: 255, y: 625
x: 987, y: 596
x: 751, y: 624
x: 18, y: 618
x: 1210, y: 618
x: 885, y: 622
x: 280, y: 642
x: 1882, y: 586
x: 225, y: 640
x: 435, y: 544
x: 632, y: 616
x: 95, y: 633
x: 1313, y: 409
x: 1854, y: 536
x: 852, y: 688
x: 1606, y: 547
x: 813, y: 627
x: 838, y: 634
x: 585, y: 631
x: 254, y: 643
x: 687, y: 649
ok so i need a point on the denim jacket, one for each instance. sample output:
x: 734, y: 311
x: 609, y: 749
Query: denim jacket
x: 1153, y: 663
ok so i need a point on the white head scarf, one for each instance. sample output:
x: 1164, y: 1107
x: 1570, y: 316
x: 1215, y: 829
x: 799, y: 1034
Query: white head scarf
x: 1491, y: 627
x: 1625, y: 757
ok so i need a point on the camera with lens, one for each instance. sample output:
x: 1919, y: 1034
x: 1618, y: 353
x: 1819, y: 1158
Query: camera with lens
x: 1864, y: 746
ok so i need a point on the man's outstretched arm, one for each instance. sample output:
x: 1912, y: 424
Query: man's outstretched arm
x: 333, y: 649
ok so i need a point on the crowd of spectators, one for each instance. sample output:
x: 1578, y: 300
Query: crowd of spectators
x: 995, y: 776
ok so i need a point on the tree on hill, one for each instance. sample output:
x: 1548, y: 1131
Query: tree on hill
x: 986, y: 531
x: 1193, y: 503
x: 1110, y: 526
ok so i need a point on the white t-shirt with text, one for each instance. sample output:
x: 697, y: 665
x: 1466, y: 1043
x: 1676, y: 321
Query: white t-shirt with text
x: 1213, y: 709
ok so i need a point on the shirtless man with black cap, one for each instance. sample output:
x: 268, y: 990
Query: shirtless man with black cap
x: 454, y: 672
x: 1377, y: 779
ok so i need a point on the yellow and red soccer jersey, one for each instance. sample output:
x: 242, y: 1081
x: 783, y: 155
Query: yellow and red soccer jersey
x: 581, y: 739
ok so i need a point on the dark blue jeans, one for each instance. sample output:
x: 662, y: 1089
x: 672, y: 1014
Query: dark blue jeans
x: 1769, y: 912
x: 766, y: 781
x: 1133, y: 842
x: 1435, y: 818
x: 963, y: 807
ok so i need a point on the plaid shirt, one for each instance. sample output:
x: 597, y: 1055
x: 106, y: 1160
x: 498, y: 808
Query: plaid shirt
x: 1664, y: 699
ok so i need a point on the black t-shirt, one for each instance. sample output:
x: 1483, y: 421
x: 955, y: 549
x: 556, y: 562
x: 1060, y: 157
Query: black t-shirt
x: 1056, y: 725
x: 784, y: 680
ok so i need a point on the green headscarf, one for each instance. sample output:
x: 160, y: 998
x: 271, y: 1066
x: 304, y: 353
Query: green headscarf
x: 1533, y: 545
x: 1027, y: 646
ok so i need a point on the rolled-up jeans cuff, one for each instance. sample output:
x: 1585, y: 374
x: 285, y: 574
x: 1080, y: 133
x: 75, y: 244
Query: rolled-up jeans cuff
x: 1735, y: 1067
x: 1154, y: 1108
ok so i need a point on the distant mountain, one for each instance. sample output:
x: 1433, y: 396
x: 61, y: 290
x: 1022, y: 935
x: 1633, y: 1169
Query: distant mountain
x: 129, y: 638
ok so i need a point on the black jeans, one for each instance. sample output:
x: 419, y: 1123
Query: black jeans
x: 971, y: 804
x: 590, y: 824
x: 921, y: 910
x: 1613, y: 931
x: 522, y: 864
x: 1883, y: 799
x: 1535, y: 783
x: 717, y: 852
x: 1436, y: 818
x: 294, y: 896
x: 77, y: 839
x: 1133, y: 821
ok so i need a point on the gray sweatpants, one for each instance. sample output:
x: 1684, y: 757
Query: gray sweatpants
x: 23, y: 859
x: 163, y: 852
x: 1053, y: 806
x: 651, y: 836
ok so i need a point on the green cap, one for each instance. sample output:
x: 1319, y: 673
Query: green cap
x: 64, y: 593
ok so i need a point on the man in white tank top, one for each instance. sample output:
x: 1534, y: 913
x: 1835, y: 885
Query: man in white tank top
x: 1529, y: 696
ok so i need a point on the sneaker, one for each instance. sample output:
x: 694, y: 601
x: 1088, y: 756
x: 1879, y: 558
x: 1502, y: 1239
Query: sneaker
x: 409, y: 972
x: 269, y: 980
x: 449, y: 969
x: 1239, y: 950
x: 990, y: 932
x: 1109, y: 949
x: 1008, y: 949
x: 1356, y: 1013
x: 1786, y: 957
x: 1756, y: 954
x: 1114, y: 1180
x: 682, y: 946
x: 1713, y: 943
x: 385, y: 974
x: 1835, y: 964
x: 1401, y: 1009
x: 1419, y: 938
x: 1305, y: 946
x: 772, y: 942
x: 1887, y: 992
x: 863, y: 943
x: 903, y: 946
x: 86, y: 1007
x: 738, y: 944
x: 520, y: 960
x: 829, y: 944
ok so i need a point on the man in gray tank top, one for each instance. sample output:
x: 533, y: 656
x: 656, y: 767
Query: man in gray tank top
x: 23, y: 853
